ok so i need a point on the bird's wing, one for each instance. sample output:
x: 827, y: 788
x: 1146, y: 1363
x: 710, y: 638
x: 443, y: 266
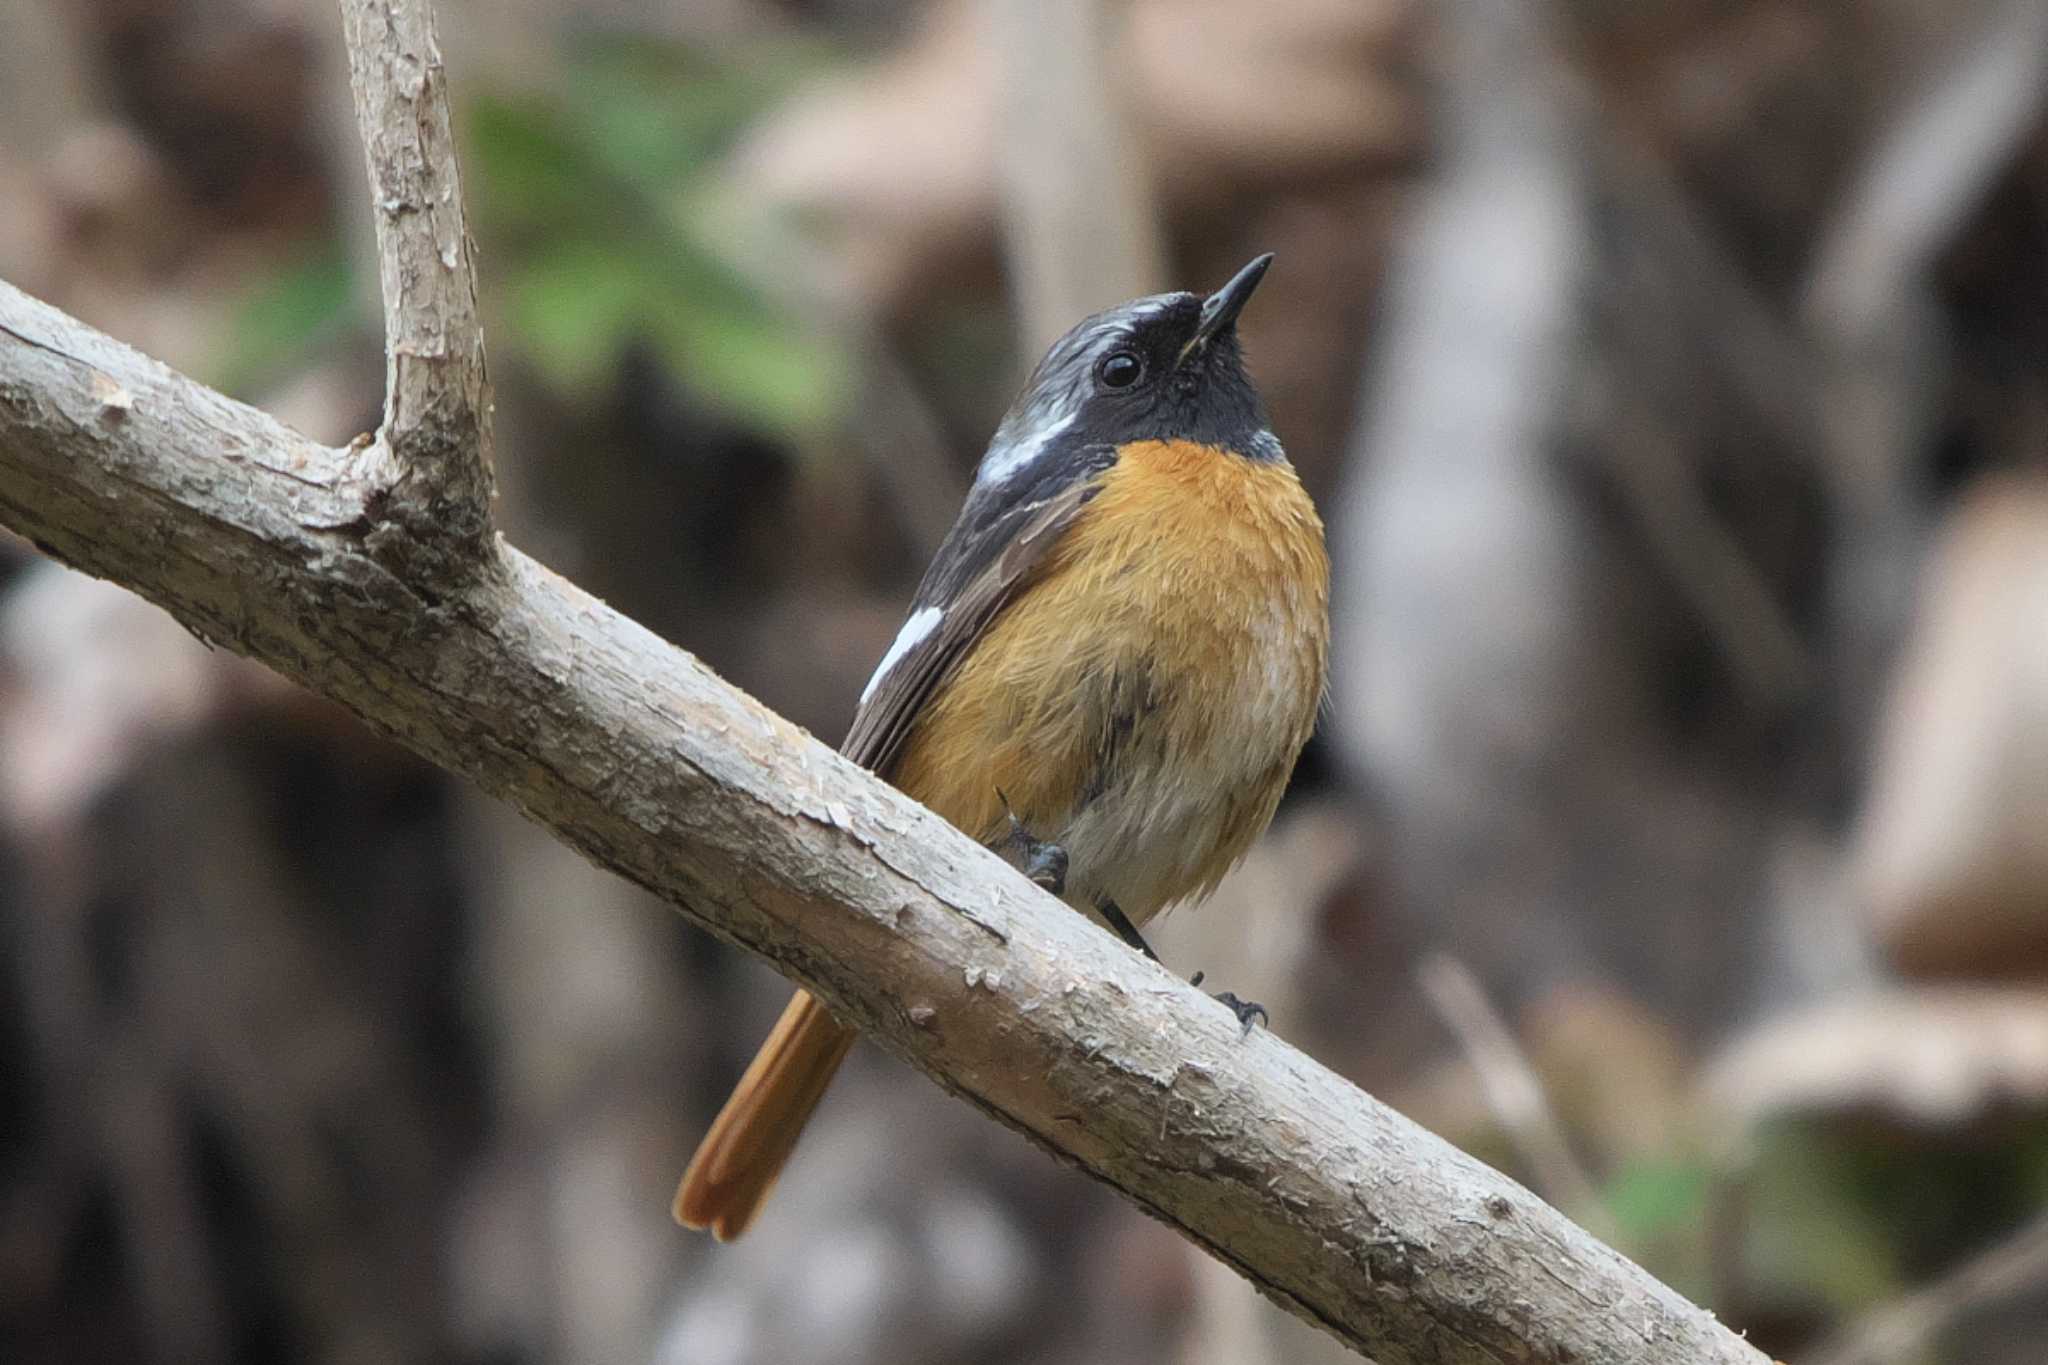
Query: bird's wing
x: 1000, y: 536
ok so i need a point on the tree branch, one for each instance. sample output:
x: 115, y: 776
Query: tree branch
x: 1079, y: 225
x: 342, y: 569
x: 437, y: 401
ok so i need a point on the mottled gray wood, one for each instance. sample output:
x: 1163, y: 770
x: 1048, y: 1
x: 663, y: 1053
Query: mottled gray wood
x: 437, y: 399
x: 632, y: 752
x: 370, y: 574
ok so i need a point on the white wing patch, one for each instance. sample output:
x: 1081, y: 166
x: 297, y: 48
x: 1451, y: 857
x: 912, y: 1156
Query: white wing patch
x: 1004, y: 460
x: 915, y: 629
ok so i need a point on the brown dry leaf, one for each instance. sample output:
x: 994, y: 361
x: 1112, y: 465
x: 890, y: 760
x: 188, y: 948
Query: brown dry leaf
x: 1930, y: 1056
x: 1615, y: 1072
x: 1952, y: 852
x: 1207, y: 71
x: 894, y: 168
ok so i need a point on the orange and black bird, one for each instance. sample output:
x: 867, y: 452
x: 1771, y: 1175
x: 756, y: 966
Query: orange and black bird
x: 1108, y: 671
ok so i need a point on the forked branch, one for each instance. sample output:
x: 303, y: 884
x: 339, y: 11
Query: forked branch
x: 371, y: 578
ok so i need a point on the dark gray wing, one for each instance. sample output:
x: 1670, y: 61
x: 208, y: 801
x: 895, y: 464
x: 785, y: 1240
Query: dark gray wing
x: 1001, y: 535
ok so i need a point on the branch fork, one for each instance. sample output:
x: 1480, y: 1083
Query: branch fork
x: 326, y: 563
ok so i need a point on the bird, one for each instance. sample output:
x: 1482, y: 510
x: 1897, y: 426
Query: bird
x: 1107, y: 673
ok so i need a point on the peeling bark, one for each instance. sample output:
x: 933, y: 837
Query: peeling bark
x: 369, y: 574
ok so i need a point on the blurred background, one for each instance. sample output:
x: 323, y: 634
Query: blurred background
x: 1673, y: 375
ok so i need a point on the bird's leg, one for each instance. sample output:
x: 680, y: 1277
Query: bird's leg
x: 1125, y: 930
x: 1044, y: 862
x: 1245, y: 1010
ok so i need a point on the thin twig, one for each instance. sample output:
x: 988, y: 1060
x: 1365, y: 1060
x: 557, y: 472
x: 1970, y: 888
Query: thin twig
x: 338, y: 572
x: 437, y: 403
x: 1865, y: 301
x: 1954, y: 132
x: 893, y: 426
x: 1869, y: 309
x: 636, y: 755
x: 1513, y: 1091
x: 1714, y: 574
x: 1901, y: 1330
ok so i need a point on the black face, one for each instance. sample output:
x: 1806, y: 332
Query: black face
x: 1167, y: 367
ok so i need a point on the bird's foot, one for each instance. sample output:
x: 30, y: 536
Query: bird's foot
x: 1043, y: 862
x: 1246, y: 1010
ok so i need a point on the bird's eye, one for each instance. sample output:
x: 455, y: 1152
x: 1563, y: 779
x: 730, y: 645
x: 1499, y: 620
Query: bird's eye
x: 1119, y: 370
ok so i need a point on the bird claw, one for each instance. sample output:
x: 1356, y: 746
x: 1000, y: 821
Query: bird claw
x: 1044, y: 863
x: 1245, y: 1010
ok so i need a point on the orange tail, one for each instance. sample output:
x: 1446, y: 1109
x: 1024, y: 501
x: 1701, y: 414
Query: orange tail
x: 738, y: 1160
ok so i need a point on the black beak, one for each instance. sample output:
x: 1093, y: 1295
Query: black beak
x: 1220, y: 309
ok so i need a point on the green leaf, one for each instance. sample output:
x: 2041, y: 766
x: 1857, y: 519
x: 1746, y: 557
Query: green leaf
x: 758, y: 366
x: 574, y: 307
x: 657, y: 113
x: 1651, y: 1198
x: 280, y: 319
x: 595, y: 198
x: 1810, y: 1228
x: 531, y: 171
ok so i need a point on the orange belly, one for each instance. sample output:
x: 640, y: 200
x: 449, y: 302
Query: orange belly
x: 1142, y: 699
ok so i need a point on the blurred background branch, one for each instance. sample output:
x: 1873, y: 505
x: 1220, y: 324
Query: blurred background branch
x: 1513, y: 1090
x: 383, y: 590
x: 654, y: 769
x: 1080, y: 228
x: 1906, y: 1329
x: 1753, y: 878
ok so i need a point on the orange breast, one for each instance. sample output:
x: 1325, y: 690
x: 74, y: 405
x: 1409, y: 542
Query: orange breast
x: 1143, y: 698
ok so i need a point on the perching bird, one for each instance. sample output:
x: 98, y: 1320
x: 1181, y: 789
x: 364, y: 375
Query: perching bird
x: 1107, y: 673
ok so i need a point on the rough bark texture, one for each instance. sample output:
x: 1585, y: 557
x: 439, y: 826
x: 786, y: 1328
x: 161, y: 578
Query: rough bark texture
x: 369, y: 574
x: 437, y: 402
x: 629, y: 750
